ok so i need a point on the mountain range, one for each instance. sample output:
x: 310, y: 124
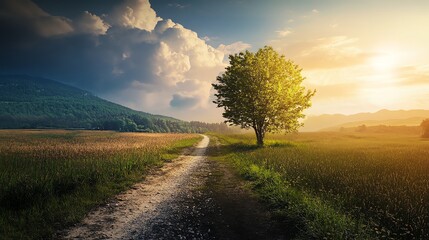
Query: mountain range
x: 334, y: 122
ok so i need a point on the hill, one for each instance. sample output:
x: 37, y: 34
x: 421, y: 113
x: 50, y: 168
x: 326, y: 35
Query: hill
x: 333, y: 122
x: 31, y: 102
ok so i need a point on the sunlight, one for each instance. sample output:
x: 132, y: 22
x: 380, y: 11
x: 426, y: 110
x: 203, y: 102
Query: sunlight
x: 382, y: 97
x: 385, y: 61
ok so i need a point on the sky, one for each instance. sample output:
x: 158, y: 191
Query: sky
x: 161, y: 56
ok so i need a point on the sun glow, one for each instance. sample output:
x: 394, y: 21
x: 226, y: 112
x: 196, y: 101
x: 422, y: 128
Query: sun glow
x: 382, y: 97
x: 385, y: 61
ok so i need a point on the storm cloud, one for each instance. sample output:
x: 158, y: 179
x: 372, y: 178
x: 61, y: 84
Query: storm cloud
x: 129, y: 55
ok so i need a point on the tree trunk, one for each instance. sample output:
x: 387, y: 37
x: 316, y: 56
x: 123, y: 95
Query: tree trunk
x: 259, y: 137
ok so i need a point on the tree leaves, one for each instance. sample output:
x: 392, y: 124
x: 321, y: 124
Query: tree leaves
x: 263, y: 91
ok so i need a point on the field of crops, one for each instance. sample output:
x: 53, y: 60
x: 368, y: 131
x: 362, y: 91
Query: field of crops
x: 50, y: 179
x: 360, y: 185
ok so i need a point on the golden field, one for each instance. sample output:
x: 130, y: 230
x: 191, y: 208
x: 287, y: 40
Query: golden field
x: 51, y: 178
x: 341, y: 185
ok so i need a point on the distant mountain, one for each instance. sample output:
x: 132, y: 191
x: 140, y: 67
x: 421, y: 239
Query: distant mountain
x: 333, y: 122
x: 31, y: 102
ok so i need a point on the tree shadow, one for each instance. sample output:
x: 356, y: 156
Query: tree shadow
x: 223, y: 149
x: 214, y: 150
x: 279, y: 145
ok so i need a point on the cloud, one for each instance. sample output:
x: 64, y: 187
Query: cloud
x: 180, y: 101
x: 136, y: 14
x: 170, y: 66
x: 327, y: 52
x: 233, y: 47
x: 315, y: 11
x: 335, y: 91
x: 335, y: 45
x: 181, y: 39
x: 413, y: 75
x: 91, y: 24
x: 283, y: 33
x: 22, y: 19
x: 176, y: 5
x: 147, y: 63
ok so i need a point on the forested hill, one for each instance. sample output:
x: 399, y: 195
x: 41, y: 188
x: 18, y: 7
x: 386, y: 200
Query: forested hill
x: 30, y: 102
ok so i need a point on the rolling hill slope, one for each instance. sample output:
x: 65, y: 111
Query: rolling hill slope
x: 30, y: 102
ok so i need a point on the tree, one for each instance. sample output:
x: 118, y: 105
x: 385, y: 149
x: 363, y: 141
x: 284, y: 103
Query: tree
x: 425, y: 128
x: 129, y: 126
x: 113, y: 124
x: 361, y: 128
x: 262, y: 91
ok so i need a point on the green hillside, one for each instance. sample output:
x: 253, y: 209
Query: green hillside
x: 30, y: 102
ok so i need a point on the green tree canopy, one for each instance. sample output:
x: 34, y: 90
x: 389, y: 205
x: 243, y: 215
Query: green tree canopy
x: 262, y: 91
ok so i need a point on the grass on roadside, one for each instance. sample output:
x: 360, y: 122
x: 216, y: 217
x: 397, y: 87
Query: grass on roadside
x: 334, y: 186
x: 51, y: 179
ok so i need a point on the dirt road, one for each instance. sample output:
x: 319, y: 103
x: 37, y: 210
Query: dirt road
x: 189, y: 198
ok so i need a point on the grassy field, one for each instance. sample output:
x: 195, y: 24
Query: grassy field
x: 50, y: 179
x: 339, y: 185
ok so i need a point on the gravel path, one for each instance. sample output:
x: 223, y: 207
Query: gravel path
x: 126, y: 215
x: 189, y: 198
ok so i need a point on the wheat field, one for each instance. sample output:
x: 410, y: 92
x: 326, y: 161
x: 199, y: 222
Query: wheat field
x: 379, y: 180
x: 51, y: 178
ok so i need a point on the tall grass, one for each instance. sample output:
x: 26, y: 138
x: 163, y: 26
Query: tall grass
x: 50, y: 179
x: 379, y: 180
